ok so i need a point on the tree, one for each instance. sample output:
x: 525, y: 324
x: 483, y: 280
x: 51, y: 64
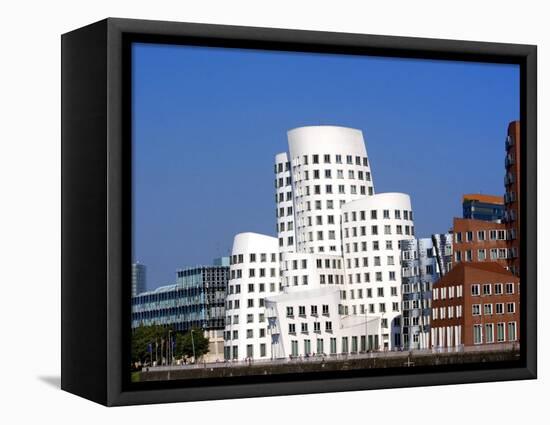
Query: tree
x: 185, y: 343
x: 146, y: 340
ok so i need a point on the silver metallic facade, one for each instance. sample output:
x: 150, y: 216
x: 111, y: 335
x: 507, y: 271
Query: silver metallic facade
x: 423, y: 262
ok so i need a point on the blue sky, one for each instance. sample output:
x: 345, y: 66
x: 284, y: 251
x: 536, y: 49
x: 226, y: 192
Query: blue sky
x: 207, y: 123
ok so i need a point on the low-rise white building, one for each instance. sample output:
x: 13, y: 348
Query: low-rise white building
x: 307, y: 323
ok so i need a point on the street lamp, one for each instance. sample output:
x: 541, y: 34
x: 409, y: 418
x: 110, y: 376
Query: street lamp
x: 193, y: 345
x: 169, y: 348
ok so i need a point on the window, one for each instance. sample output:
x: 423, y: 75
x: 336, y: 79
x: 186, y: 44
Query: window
x: 328, y: 326
x: 477, y: 334
x: 294, y: 348
x: 510, y: 307
x: 450, y: 314
x: 304, y: 328
x: 509, y: 288
x: 325, y: 309
x: 320, y: 346
x: 489, y: 333
x: 481, y: 256
x: 302, y: 310
x: 488, y: 309
x: 249, y: 318
x: 307, y: 346
x: 487, y: 289
x: 250, y: 302
x: 333, y: 346
x: 500, y: 332
x: 289, y: 312
x: 291, y: 328
x: 344, y: 344
x: 512, y: 331
x: 476, y: 309
x: 499, y: 308
x: 498, y: 288
x: 475, y: 289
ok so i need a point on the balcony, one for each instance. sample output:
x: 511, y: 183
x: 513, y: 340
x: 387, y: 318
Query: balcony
x: 509, y: 142
x: 509, y: 179
x: 509, y: 161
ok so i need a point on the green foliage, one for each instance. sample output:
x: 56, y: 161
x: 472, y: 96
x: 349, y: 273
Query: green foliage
x: 157, y: 337
x: 142, y: 337
x: 184, y: 344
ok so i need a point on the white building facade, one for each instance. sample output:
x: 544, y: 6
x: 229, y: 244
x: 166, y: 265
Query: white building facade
x: 373, y: 228
x: 337, y: 288
x: 253, y: 275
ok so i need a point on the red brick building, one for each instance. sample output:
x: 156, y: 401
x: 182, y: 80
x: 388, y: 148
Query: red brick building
x: 512, y: 195
x: 479, y: 241
x: 475, y: 304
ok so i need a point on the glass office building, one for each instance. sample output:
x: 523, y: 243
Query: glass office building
x: 197, y: 299
x: 483, y: 207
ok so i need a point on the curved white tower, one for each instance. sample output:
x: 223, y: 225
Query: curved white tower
x: 254, y: 274
x: 372, y: 231
x: 326, y: 166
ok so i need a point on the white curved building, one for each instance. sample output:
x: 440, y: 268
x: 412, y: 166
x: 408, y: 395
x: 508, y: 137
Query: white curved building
x: 326, y: 166
x: 254, y: 274
x: 372, y: 231
x: 337, y: 286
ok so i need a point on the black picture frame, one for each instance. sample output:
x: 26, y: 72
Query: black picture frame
x: 96, y: 209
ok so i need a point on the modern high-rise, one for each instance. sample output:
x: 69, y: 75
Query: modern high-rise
x: 337, y: 256
x: 513, y: 194
x: 139, y: 282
